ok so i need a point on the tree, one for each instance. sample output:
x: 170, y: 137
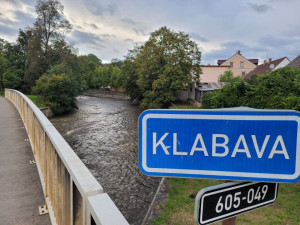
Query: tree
x: 228, y: 77
x: 165, y: 64
x: 116, y: 62
x: 88, y: 64
x: 3, y: 67
x: 48, y: 30
x: 130, y: 76
x: 58, y: 91
x: 50, y: 22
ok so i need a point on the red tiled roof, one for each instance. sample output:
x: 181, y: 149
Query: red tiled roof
x: 264, y: 68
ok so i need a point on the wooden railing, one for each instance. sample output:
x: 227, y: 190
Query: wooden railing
x: 72, y: 194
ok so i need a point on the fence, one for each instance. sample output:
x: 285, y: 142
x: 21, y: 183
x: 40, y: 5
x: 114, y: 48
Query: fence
x: 72, y: 194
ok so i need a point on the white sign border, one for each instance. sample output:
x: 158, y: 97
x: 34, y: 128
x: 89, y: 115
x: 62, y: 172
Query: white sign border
x: 218, y: 173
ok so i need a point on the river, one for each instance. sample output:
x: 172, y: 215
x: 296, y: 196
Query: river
x: 103, y: 133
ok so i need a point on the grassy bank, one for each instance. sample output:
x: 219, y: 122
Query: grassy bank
x: 37, y: 100
x: 182, y: 105
x: 179, y: 207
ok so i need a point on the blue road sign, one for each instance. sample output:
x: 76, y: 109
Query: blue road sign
x: 227, y: 144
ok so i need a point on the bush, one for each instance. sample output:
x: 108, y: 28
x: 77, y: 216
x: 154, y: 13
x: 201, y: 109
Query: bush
x: 280, y: 89
x: 59, y: 91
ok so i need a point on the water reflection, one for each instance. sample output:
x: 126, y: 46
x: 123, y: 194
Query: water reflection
x: 103, y: 133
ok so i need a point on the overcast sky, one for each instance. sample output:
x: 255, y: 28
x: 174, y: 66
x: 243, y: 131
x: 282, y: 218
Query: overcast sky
x: 259, y: 28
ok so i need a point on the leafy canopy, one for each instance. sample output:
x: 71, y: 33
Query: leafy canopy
x: 161, y: 67
x: 58, y: 91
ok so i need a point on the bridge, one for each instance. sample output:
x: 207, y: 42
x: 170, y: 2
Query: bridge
x: 42, y: 180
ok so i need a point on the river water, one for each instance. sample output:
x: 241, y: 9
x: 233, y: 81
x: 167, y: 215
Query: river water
x: 103, y: 133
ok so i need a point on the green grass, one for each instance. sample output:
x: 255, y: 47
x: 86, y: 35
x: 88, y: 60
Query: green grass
x: 2, y: 94
x: 182, y: 105
x: 38, y: 101
x: 179, y: 208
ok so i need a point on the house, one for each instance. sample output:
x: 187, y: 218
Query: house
x: 204, y: 88
x: 295, y: 63
x: 211, y: 73
x: 269, y: 66
x: 239, y: 65
x: 195, y: 93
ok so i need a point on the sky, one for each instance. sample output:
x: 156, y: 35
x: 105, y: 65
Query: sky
x: 260, y: 29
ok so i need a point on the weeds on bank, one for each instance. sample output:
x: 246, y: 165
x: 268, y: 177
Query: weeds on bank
x: 38, y: 101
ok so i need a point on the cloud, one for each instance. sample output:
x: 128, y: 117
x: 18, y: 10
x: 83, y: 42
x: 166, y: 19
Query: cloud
x: 25, y: 18
x: 259, y: 8
x: 198, y: 37
x: 7, y: 22
x: 7, y: 30
x: 129, y: 40
x: 129, y: 21
x: 108, y: 36
x: 138, y: 27
x: 85, y: 37
x: 92, y: 25
x: 96, y: 8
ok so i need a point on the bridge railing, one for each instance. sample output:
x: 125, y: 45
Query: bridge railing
x: 73, y: 195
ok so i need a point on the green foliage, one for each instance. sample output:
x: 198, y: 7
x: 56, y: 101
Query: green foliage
x: 229, y: 78
x: 38, y: 101
x: 88, y: 66
x: 129, y: 70
x: 280, y: 89
x: 11, y: 79
x: 3, y: 67
x: 59, y: 91
x: 163, y: 66
x: 45, y: 46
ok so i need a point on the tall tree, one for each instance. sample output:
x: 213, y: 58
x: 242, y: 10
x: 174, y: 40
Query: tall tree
x: 48, y: 30
x: 165, y: 64
x: 50, y: 22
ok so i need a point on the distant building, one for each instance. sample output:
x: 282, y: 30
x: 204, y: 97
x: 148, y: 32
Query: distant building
x: 269, y: 66
x: 206, y: 87
x: 295, y: 63
x: 195, y: 94
x: 211, y: 73
x: 238, y: 64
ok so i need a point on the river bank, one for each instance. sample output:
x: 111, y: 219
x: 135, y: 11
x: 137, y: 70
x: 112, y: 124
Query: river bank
x: 106, y: 94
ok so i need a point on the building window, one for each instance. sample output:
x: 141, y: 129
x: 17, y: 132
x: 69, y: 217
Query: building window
x: 231, y: 64
x: 243, y: 74
x: 242, y: 64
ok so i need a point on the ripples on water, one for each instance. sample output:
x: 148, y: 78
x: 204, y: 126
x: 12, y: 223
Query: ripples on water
x: 103, y: 133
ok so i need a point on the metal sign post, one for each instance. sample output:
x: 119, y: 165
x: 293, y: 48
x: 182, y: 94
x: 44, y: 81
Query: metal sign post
x: 230, y: 199
x: 253, y: 145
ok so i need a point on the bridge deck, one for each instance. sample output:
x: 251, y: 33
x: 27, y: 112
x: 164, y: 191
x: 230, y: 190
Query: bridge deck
x: 21, y: 192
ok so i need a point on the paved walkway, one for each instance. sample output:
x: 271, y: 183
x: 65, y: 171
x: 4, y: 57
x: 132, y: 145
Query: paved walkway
x: 21, y: 191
